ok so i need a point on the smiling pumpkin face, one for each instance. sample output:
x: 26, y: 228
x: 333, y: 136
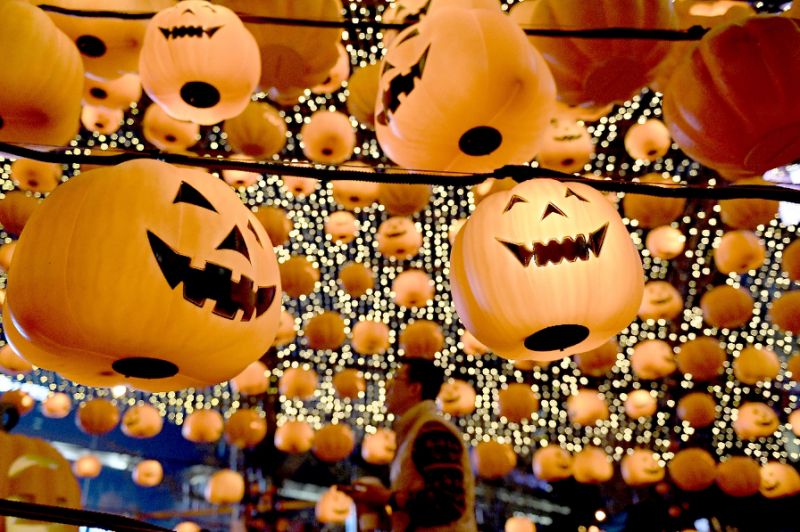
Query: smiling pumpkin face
x: 142, y: 421
x: 379, y: 447
x: 660, y: 301
x: 566, y: 147
x: 399, y: 238
x: 640, y: 468
x: 180, y: 248
x: 652, y: 359
x: 755, y: 420
x: 457, y: 398
x: 529, y: 263
x: 552, y: 463
x: 333, y: 507
x: 779, y: 480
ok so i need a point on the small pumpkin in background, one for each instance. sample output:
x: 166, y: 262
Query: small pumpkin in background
x: 598, y: 361
x: 471, y: 345
x: 702, y: 358
x: 299, y: 187
x: 87, y: 466
x: 252, y: 380
x: 349, y: 383
x: 652, y: 359
x: 57, y: 406
x: 754, y: 365
x: 370, y: 337
x: 299, y: 276
x: 333, y: 507
x: 653, y: 211
x: 97, y: 416
x: 457, y: 398
x: 421, y: 339
x: 413, y: 288
x: 224, y: 487
x: 356, y: 278
x: 148, y: 474
x: 785, y: 311
x: 399, y: 238
x: 692, y: 469
x: 455, y: 227
x: 727, y: 307
x: 341, y: 226
x: 566, y: 145
x: 379, y: 447
x: 203, y: 426
x: 258, y: 132
x: 647, y: 140
x: 328, y: 137
x: 325, y: 331
x: 697, y: 408
x: 294, y: 437
x: 352, y: 194
x: 552, y: 463
x: 15, y: 210
x: 640, y: 468
x: 739, y: 252
x: 517, y: 402
x: 586, y: 407
x: 35, y: 176
x: 591, y: 465
x: 363, y: 91
x: 298, y: 383
x: 187, y: 526
x: 116, y: 93
x: 11, y: 363
x: 101, y: 120
x: 519, y: 524
x: 793, y: 365
x: 404, y: 200
x: 747, y: 213
x: 240, y: 178
x: 333, y: 442
x: 492, y: 460
x: 779, y: 480
x: 337, y: 75
x: 665, y: 242
x: 245, y: 429
x: 166, y: 133
x: 739, y: 476
x: 142, y: 421
x: 794, y: 422
x: 20, y: 400
x: 755, y: 420
x: 276, y: 223
x: 790, y: 260
x: 287, y: 329
x: 660, y: 301
x: 640, y: 403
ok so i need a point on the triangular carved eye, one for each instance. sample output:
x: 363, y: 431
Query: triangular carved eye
x: 188, y: 194
x: 570, y: 192
x: 513, y: 201
x: 552, y: 209
x: 253, y: 230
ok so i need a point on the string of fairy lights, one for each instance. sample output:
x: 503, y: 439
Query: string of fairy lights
x: 663, y: 432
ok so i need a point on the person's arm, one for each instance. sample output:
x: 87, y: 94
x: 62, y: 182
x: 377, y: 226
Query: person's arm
x: 437, y: 455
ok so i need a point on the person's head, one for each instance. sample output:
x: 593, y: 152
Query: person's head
x: 415, y: 380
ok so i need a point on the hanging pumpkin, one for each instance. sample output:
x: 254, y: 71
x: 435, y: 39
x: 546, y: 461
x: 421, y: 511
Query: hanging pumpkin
x: 349, y: 383
x: 755, y: 420
x: 166, y: 133
x: 457, y: 398
x: 653, y: 211
x: 258, y: 132
x: 640, y: 403
x: 471, y: 345
x: 421, y: 339
x: 245, y: 428
x: 203, y: 426
x: 745, y: 213
x: 276, y: 223
x: 403, y: 12
x: 240, y: 178
x: 492, y: 460
x: 148, y: 474
x: 717, y: 112
x: 692, y: 469
x: 726, y: 307
x: 355, y: 194
x: 404, y: 200
x: 336, y: 75
x: 739, y: 252
x: 379, y: 447
x: 552, y: 463
x: 399, y: 238
x: 40, y: 66
x: 660, y: 301
x: 598, y: 72
x: 586, y: 407
x: 97, y: 416
x: 598, y: 361
x: 794, y: 422
x: 333, y: 442
x: 640, y: 468
x: 697, y: 409
x: 142, y: 421
x: 57, y: 406
x: 101, y: 120
x: 652, y: 359
x: 19, y: 399
x: 287, y: 330
x: 648, y: 140
x: 755, y: 365
x: 298, y: 276
x: 552, y: 243
x: 299, y: 186
x: 35, y: 176
x: 116, y: 93
x: 413, y: 288
x: 356, y: 279
x: 517, y: 402
x: 15, y: 210
x: 333, y: 507
x: 665, y: 242
x: 566, y: 145
x: 363, y: 91
x: 462, y: 90
x: 519, y: 524
x: 341, y: 226
x: 370, y: 337
x: 784, y: 312
x: 702, y: 358
x: 793, y: 365
x: 175, y: 338
x: 592, y: 466
x: 790, y: 260
x: 6, y: 255
x: 328, y: 137
x: 252, y: 380
x: 87, y: 466
x: 187, y: 526
x: 224, y: 486
x: 186, y: 65
x: 294, y: 437
x: 779, y: 480
x: 739, y: 476
x: 298, y: 383
x: 11, y: 363
x: 325, y: 331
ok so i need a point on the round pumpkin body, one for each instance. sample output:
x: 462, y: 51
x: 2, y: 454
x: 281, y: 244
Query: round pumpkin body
x: 697, y: 408
x: 517, y: 402
x: 370, y: 337
x: 298, y: 383
x: 421, y: 339
x: 702, y: 358
x: 790, y: 262
x: 755, y: 365
x: 294, y: 437
x: 333, y: 442
x: 755, y: 420
x: 87, y: 466
x: 19, y: 399
x: 349, y: 383
x: 298, y: 276
x: 252, y: 380
x: 779, y: 480
x: 97, y: 416
x: 492, y: 459
x: 167, y: 133
x: 333, y: 507
x: 379, y: 447
x: 543, y: 241
x: 337, y: 75
x: 11, y: 363
x: 413, y: 288
x: 457, y: 398
x: 16, y: 208
x: 35, y: 176
x: 587, y: 407
x: 598, y: 361
x: 101, y: 120
x: 341, y: 226
x: 566, y: 145
x: 193, y: 325
x: 693, y: 469
x: 648, y: 140
x: 785, y: 312
x: 640, y: 468
x: 727, y: 307
x: 328, y: 137
x: 245, y: 428
x: 739, y: 476
x: 748, y: 213
x: 142, y: 421
x: 739, y: 252
x: 57, y: 406
x: 653, y: 211
x: 148, y: 474
x: 552, y: 463
x: 640, y: 403
x: 399, y: 238
x: 287, y: 330
x: 325, y: 331
x: 258, y: 132
x: 225, y: 487
x: 363, y: 86
x: 652, y: 359
x: 660, y: 301
x: 203, y: 426
x: 404, y: 200
x: 519, y: 524
x: 118, y: 93
x: 592, y: 466
x: 665, y: 242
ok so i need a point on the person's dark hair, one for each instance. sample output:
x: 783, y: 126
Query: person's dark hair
x: 427, y: 374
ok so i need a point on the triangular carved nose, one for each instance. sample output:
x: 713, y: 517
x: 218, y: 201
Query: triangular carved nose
x: 235, y: 241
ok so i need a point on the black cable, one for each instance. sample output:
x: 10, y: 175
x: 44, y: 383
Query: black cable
x: 71, y: 516
x: 518, y: 173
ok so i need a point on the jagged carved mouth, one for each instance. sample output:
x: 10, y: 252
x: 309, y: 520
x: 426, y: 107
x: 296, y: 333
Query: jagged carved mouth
x: 178, y: 32
x: 569, y: 249
x: 212, y: 282
x: 566, y: 138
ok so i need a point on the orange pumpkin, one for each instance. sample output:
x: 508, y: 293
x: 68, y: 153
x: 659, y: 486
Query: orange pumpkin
x: 15, y: 210
x: 755, y: 420
x: 747, y: 213
x: 333, y: 507
x: 299, y: 186
x: 652, y: 359
x: 370, y: 337
x: 355, y: 194
x: 727, y: 307
x: 421, y: 339
x: 356, y: 279
x: 404, y: 200
x: 413, y: 288
x: 336, y: 75
x: 258, y: 132
x: 665, y: 242
x: 341, y: 226
x: 35, y: 176
x: 56, y: 406
x: 702, y: 358
x: 116, y: 93
x: 11, y: 363
x: 693, y: 469
x: 739, y: 476
x: 399, y: 238
x: 203, y: 426
x: 325, y: 331
x: 471, y: 345
x: 492, y: 459
x: 755, y: 365
x: 784, y: 312
x: 640, y: 468
x: 566, y: 145
x: 87, y: 466
x: 225, y: 487
x: 333, y: 442
x: 552, y: 463
x: 349, y: 383
x: 287, y: 330
x: 299, y: 276
x: 298, y: 383
x: 697, y: 408
x: 790, y: 261
x: 793, y: 365
x: 245, y: 428
x: 592, y: 466
x: 517, y: 402
x: 97, y: 416
x: 276, y: 223
x: 148, y: 473
x: 598, y: 361
x: 101, y: 120
x: 379, y: 447
x: 640, y: 403
x: 295, y: 437
x: 648, y: 140
x: 587, y: 407
x: 142, y: 421
x: 166, y: 133
x: 739, y: 252
x: 252, y: 380
x: 653, y: 211
x: 240, y: 178
x: 519, y: 524
x: 6, y: 255
x: 457, y: 398
x: 363, y: 91
x: 328, y: 137
x: 19, y: 399
x: 779, y: 480
x: 660, y: 301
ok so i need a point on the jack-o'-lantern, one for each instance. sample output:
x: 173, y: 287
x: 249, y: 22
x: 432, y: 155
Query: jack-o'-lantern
x: 403, y: 12
x: 245, y: 428
x: 206, y: 331
x: 738, y: 127
x: 101, y: 120
x: 27, y: 95
x: 298, y: 276
x: 598, y: 361
x: 492, y: 459
x: 57, y: 406
x: 363, y: 89
x: 790, y: 261
x: 702, y: 358
x: 586, y: 407
x: 665, y: 242
x: 300, y: 187
x: 592, y: 466
x: 727, y: 307
x: 517, y: 402
x: 652, y: 359
x: 399, y: 238
x: 519, y: 524
x: 252, y: 380
x: 15, y: 210
x: 203, y: 426
x: 471, y: 345
x: 240, y: 178
x: 35, y: 176
x: 356, y: 278
x: 276, y: 223
x: 11, y: 363
x: 653, y: 211
x: 142, y: 421
x: 598, y: 72
x: 552, y: 463
x: 739, y: 476
x: 258, y: 132
x: 336, y: 75
x: 779, y: 480
x: 739, y: 252
x: 640, y: 468
x: 148, y: 474
x: 355, y: 194
x: 413, y: 288
x: 187, y: 67
x: 118, y: 93
x: 97, y: 416
x: 421, y: 339
x: 370, y: 337
x: 287, y: 330
x: 755, y: 365
x: 692, y: 469
x: 648, y: 140
x: 493, y: 112
x: 566, y: 145
x: 755, y: 420
x: 333, y: 442
x: 166, y: 133
x: 187, y: 526
x: 328, y: 137
x: 640, y: 403
x: 341, y: 226
x: 333, y: 507
x: 457, y: 398
x: 294, y: 437
x: 545, y: 241
x: 785, y: 312
x: 379, y: 447
x: 19, y: 399
x: 697, y: 408
x: 325, y: 331
x: 349, y: 383
x: 298, y: 383
x: 6, y: 255
x: 87, y: 466
x: 225, y: 487
x: 403, y: 200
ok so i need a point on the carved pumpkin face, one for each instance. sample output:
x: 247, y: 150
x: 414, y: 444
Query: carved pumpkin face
x: 333, y: 507
x: 755, y: 420
x: 739, y: 252
x: 201, y: 262
x: 698, y: 409
x: 298, y: 383
x: 379, y: 447
x: 101, y: 120
x: 552, y: 463
x: 587, y: 407
x: 592, y: 466
x: 142, y: 421
x: 665, y: 242
x: 97, y: 416
x: 413, y: 288
x: 225, y: 487
x: 333, y: 442
x: 640, y: 403
x: 755, y: 365
x: 492, y: 459
x: 341, y: 226
x: 56, y: 406
x: 457, y: 398
x: 245, y: 428
x: 35, y: 176
x: 295, y: 437
x: 648, y: 140
x: 370, y: 337
x: 399, y: 238
x: 566, y: 146
x: 203, y: 426
x: 660, y: 301
x: 551, y: 242
x: 148, y: 473
x: 779, y: 480
x: 517, y: 402
x: 252, y: 380
x: 640, y: 468
x: 186, y: 63
x: 652, y: 359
